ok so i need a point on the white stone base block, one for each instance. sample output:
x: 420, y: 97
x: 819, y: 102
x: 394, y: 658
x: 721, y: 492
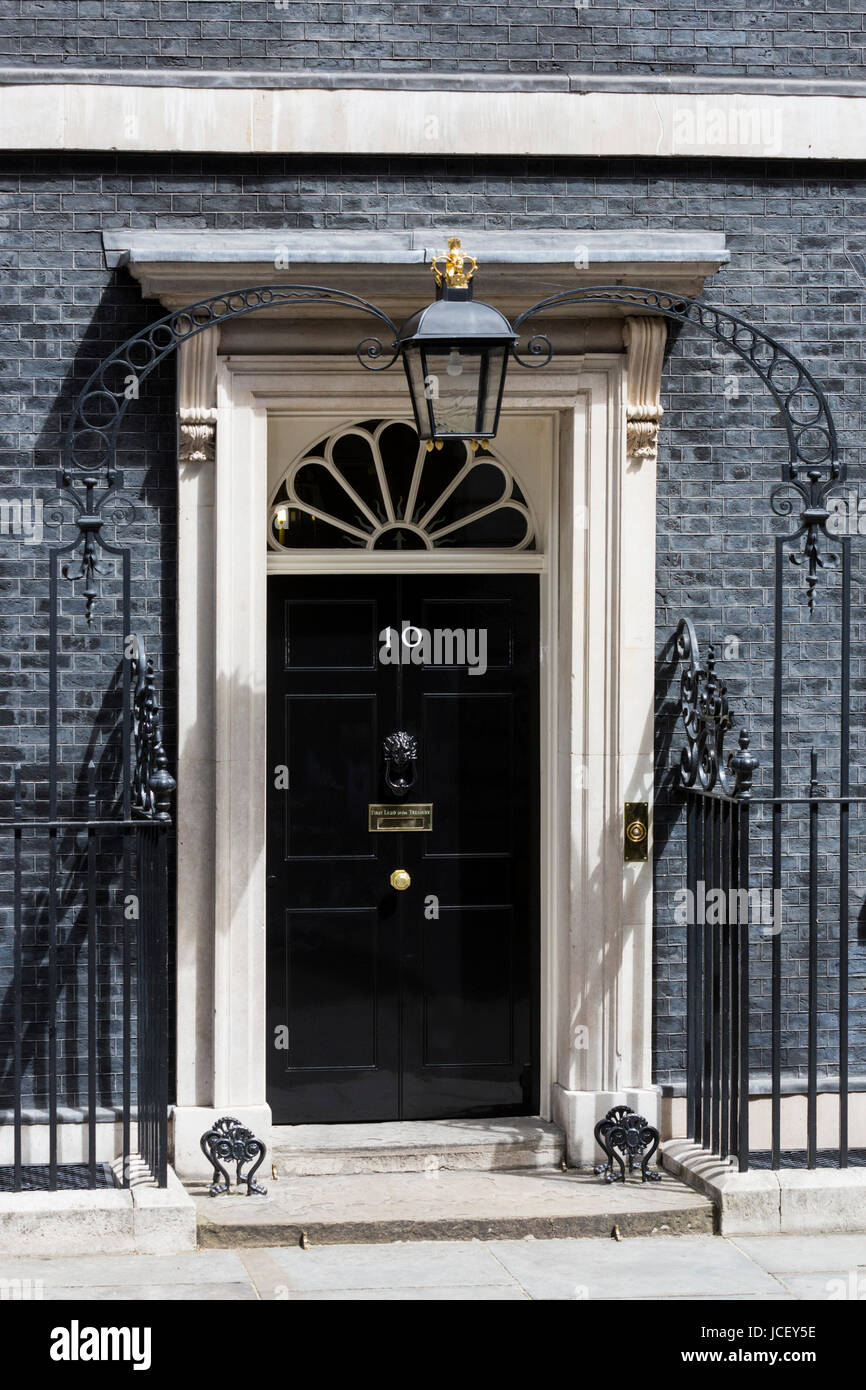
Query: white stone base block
x: 825, y: 1199
x: 578, y: 1112
x: 747, y: 1203
x: 141, y: 1220
x: 792, y: 1201
x: 72, y: 1142
x: 163, y: 1218
x: 66, y: 1223
x: 674, y: 1117
x: 188, y: 1123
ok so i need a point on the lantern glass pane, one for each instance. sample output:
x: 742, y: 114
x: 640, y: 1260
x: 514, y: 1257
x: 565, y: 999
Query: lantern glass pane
x: 454, y: 375
x: 415, y: 373
x: 496, y: 362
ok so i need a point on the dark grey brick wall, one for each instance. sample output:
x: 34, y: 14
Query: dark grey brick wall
x: 798, y: 246
x: 60, y: 314
x: 822, y: 39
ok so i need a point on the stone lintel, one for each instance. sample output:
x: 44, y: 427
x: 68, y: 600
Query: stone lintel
x: 516, y: 269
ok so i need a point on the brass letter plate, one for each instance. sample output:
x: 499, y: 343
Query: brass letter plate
x: 412, y: 816
x: 636, y: 831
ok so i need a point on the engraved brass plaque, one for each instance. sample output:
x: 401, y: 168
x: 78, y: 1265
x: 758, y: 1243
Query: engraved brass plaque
x: 636, y: 843
x: 411, y: 816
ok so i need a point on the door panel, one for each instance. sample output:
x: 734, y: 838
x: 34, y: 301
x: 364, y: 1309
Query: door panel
x: 415, y: 1004
x: 467, y: 956
x: 331, y: 634
x: 472, y: 733
x: 331, y: 759
x: 331, y: 987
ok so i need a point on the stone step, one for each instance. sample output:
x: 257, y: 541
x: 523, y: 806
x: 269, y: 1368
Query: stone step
x: 415, y: 1146
x: 376, y: 1208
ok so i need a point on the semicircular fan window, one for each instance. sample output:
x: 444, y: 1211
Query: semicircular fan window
x: 375, y: 486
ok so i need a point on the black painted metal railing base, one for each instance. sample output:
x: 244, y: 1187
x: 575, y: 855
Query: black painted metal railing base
x: 741, y: 950
x: 89, y: 988
x: 66, y: 1177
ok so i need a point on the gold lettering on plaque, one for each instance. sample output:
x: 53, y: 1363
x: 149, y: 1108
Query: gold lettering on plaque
x: 412, y: 816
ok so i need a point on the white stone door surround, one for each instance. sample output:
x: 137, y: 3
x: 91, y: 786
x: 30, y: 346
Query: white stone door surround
x: 597, y: 673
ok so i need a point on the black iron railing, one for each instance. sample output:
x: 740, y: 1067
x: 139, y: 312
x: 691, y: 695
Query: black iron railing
x: 153, y: 966
x: 717, y: 873
x: 768, y: 978
x: 717, y: 978
x: 86, y: 1030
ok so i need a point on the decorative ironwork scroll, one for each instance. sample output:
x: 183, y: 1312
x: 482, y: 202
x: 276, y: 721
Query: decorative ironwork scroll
x: 89, y: 452
x: 814, y: 490
x: 229, y: 1142
x: 152, y: 783
x: 707, y: 718
x: 813, y: 467
x: 626, y: 1138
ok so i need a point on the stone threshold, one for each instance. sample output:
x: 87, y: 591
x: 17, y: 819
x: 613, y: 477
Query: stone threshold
x: 382, y: 1208
x: 416, y: 1146
x: 792, y: 1201
x: 141, y: 1219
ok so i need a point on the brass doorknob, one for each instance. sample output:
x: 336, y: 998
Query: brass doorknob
x: 400, y: 880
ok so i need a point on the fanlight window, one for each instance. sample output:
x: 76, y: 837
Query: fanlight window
x: 376, y: 486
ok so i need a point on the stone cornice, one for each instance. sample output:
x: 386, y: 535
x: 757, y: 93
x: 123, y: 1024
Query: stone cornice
x: 389, y: 267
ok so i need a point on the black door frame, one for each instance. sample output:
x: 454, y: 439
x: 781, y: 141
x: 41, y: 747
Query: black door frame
x: 443, y: 564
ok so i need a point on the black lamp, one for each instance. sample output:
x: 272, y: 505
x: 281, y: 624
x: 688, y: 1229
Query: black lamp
x: 455, y: 353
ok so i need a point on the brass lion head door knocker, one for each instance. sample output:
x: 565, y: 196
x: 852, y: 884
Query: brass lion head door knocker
x: 401, y: 756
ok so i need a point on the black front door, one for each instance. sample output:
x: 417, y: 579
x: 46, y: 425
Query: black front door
x: 414, y: 1003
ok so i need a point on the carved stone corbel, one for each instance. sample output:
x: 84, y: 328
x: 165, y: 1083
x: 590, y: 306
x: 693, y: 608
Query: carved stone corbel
x: 645, y: 340
x: 196, y: 397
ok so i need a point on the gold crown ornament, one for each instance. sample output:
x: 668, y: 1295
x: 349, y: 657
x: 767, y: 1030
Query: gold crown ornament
x: 451, y: 269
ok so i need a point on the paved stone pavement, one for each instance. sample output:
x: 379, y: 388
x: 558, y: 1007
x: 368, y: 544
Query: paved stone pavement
x: 789, y: 1268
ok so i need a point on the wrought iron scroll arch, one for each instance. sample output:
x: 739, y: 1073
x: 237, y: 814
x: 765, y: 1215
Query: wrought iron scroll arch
x: 89, y: 456
x: 166, y: 335
x: 90, y: 442
x: 814, y: 467
x: 736, y: 333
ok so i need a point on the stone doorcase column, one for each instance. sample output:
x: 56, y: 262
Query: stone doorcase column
x: 220, y: 800
x: 596, y: 1004
x: 606, y: 721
